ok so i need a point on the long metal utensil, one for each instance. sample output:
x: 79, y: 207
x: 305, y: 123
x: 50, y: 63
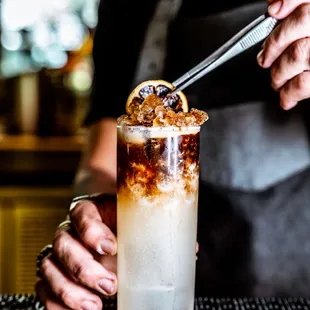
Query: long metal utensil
x: 249, y: 36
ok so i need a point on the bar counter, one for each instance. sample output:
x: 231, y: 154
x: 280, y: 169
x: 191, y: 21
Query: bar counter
x: 30, y: 302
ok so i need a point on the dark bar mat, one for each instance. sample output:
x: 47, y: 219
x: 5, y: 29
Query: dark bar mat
x: 252, y: 303
x: 30, y: 302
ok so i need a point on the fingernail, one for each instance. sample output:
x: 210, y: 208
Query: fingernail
x: 89, y: 305
x: 100, y: 250
x: 107, y: 246
x: 287, y: 105
x: 260, y: 57
x: 107, y: 285
x: 275, y: 7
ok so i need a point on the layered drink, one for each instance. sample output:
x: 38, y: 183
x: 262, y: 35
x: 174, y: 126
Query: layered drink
x: 158, y: 176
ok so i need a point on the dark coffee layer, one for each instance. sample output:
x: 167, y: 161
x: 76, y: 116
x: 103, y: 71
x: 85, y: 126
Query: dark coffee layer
x: 156, y: 162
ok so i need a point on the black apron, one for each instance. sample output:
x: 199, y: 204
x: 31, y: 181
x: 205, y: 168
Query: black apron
x: 249, y: 142
x: 254, y: 228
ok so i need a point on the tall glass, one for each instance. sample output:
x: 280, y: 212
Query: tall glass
x: 158, y: 173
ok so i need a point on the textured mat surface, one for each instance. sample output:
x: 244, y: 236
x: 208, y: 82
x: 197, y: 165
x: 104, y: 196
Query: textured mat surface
x: 30, y: 302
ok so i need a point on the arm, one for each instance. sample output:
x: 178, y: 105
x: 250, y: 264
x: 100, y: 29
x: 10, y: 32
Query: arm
x: 97, y: 170
x: 119, y: 36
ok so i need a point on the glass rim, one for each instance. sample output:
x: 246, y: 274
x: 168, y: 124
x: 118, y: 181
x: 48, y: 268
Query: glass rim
x: 160, y: 128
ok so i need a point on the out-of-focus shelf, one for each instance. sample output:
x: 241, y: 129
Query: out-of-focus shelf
x: 31, y: 143
x: 35, y: 192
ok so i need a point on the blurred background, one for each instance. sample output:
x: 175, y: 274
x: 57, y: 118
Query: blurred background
x: 45, y: 82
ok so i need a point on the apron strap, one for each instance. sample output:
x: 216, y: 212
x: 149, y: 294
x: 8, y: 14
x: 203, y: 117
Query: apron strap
x: 152, y: 57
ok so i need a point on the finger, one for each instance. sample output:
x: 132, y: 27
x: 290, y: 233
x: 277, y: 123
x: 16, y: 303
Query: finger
x: 109, y: 262
x: 295, y: 90
x: 291, y: 63
x: 197, y: 247
x: 280, y: 9
x: 66, y: 291
x: 47, y: 298
x: 81, y: 265
x: 87, y: 221
x: 295, y: 27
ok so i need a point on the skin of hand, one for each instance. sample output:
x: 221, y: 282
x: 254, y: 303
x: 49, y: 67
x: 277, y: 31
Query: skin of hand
x: 286, y: 52
x: 83, y: 263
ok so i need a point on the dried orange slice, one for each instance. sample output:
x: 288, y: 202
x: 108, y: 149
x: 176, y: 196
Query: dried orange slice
x: 160, y: 88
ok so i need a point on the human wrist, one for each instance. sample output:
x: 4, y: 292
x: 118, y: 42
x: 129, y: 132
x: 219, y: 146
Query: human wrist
x: 97, y: 198
x: 93, y: 181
